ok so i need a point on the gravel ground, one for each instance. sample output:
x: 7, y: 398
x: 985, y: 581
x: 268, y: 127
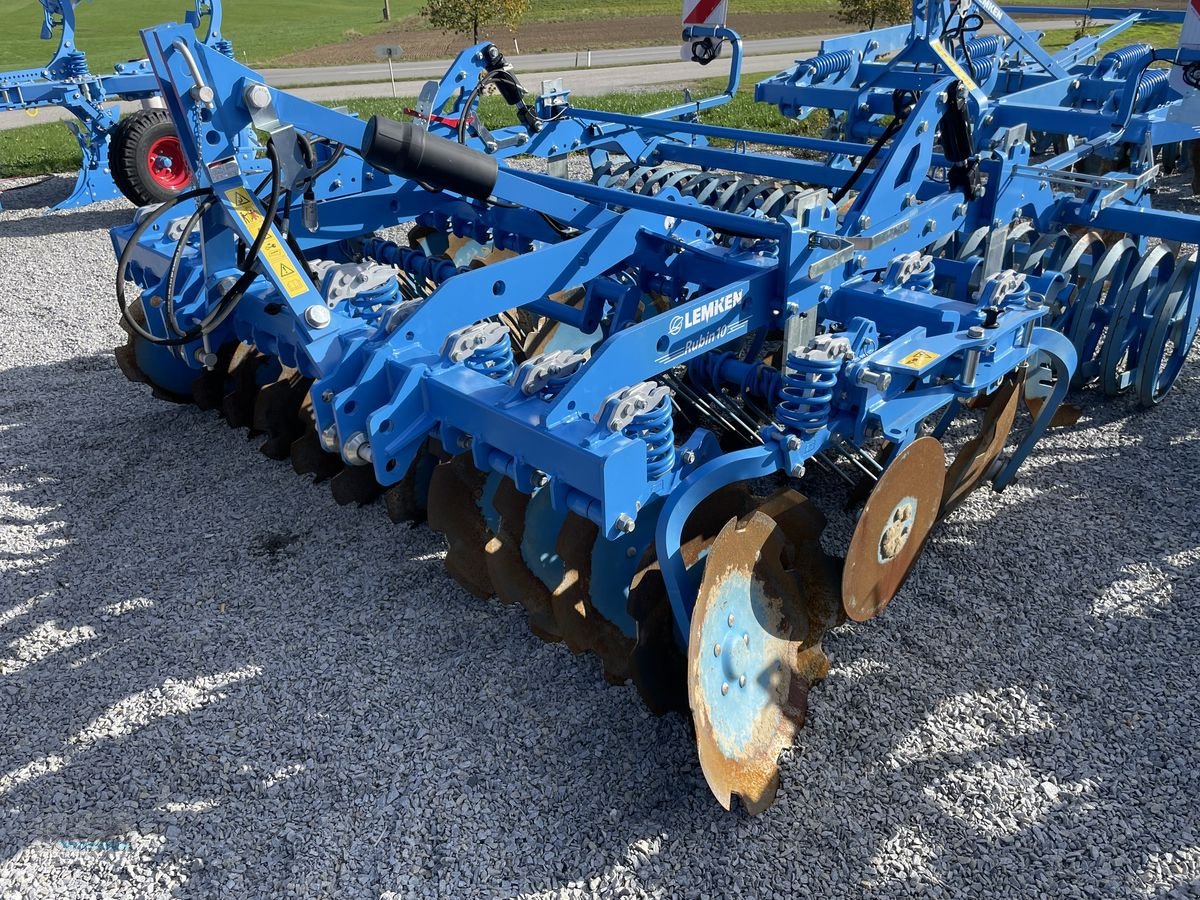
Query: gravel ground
x: 216, y: 682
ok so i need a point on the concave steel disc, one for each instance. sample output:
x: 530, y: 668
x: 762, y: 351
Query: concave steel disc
x: 456, y: 496
x: 892, y: 529
x: 512, y: 578
x: 747, y: 700
x: 974, y: 461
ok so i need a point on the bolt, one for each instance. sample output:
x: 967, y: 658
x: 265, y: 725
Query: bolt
x: 156, y: 301
x: 882, y: 380
x: 357, y: 449
x: 464, y: 442
x: 860, y: 260
x: 730, y: 619
x: 975, y: 332
x: 864, y: 222
x: 258, y: 96
x: 826, y: 291
x: 317, y: 315
x: 931, y: 226
x: 625, y: 523
x: 746, y: 639
x: 910, y: 200
x: 717, y: 650
x: 202, y: 93
x: 329, y: 439
x: 631, y: 552
x: 793, y: 443
x: 206, y: 358
x: 327, y: 395
x: 922, y: 127
x: 539, y: 479
x: 960, y: 210
x: 742, y: 681
x: 689, y: 457
x: 797, y: 471
x: 335, y: 184
x: 724, y: 688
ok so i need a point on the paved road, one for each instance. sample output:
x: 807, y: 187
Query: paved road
x: 608, y: 73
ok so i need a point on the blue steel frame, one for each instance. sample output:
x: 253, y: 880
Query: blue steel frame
x: 392, y: 388
x: 66, y: 81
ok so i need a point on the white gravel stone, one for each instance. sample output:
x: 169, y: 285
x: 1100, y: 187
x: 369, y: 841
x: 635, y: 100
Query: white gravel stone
x: 214, y: 681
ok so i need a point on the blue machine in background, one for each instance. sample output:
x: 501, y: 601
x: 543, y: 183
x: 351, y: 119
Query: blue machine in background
x: 138, y: 155
x: 606, y: 372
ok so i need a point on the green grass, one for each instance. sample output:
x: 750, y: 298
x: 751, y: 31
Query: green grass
x: 1155, y: 35
x: 260, y: 29
x: 265, y: 30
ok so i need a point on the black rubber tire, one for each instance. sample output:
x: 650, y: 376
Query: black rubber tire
x: 127, y: 151
x: 116, y: 151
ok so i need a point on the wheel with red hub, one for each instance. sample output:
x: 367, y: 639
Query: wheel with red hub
x: 147, y: 159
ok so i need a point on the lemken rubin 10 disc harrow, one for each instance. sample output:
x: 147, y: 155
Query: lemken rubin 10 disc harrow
x: 606, y: 391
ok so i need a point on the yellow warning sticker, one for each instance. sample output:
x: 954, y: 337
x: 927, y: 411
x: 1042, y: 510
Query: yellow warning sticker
x: 919, y: 359
x: 952, y: 64
x: 272, y: 249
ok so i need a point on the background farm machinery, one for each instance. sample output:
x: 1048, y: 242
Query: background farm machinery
x: 607, y: 391
x: 137, y: 155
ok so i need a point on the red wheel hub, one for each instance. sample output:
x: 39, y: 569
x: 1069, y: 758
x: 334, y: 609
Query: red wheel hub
x: 167, y: 164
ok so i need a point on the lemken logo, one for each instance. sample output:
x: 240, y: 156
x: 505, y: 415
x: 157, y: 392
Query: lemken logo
x: 700, y: 314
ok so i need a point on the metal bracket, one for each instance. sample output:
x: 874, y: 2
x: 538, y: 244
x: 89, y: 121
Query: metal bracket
x: 846, y: 247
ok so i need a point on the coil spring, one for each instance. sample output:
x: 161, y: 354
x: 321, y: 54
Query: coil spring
x: 495, y: 361
x: 657, y: 429
x: 922, y: 280
x: 1135, y: 55
x: 369, y: 305
x: 1020, y: 293
x: 75, y: 64
x: 1151, y: 87
x: 224, y: 47
x: 806, y: 394
x: 983, y: 68
x: 984, y: 47
x: 826, y: 64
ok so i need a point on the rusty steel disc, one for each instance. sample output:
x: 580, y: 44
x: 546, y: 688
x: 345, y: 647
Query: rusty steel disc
x: 242, y: 385
x: 659, y: 666
x: 510, y: 576
x: 279, y: 412
x: 583, y: 627
x: 747, y: 698
x: 408, y: 499
x: 819, y: 573
x: 973, y: 464
x: 455, y: 510
x: 892, y: 529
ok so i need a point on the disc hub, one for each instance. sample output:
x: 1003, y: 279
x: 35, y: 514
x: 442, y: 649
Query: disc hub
x: 742, y: 676
x: 897, y: 530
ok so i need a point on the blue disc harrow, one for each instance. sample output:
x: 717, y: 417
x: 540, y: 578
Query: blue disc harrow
x: 605, y: 354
